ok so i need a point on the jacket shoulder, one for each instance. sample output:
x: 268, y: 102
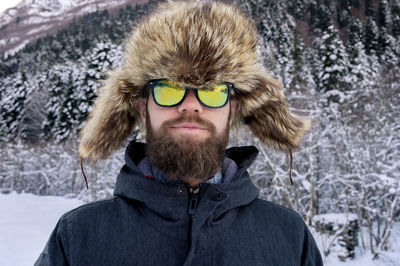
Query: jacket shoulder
x: 269, y: 208
x: 91, y: 208
x: 271, y: 215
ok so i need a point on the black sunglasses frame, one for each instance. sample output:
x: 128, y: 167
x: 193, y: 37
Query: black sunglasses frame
x: 152, y: 84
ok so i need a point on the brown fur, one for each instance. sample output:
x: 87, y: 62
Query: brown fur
x: 196, y: 43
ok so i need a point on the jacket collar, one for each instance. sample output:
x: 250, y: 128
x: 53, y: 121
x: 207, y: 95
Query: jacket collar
x: 150, y: 170
x: 170, y: 200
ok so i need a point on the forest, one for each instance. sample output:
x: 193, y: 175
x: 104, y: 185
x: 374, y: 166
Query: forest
x: 339, y: 62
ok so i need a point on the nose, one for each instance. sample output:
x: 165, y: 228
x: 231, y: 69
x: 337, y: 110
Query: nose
x: 190, y: 104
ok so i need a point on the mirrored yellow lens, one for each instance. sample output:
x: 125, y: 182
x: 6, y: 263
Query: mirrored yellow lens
x: 216, y: 96
x: 168, y: 93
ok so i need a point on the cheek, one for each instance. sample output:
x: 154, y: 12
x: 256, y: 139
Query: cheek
x: 155, y: 123
x: 155, y: 120
x: 221, y: 120
x: 158, y: 115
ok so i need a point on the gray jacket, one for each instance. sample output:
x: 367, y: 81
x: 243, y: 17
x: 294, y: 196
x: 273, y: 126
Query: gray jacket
x: 149, y: 222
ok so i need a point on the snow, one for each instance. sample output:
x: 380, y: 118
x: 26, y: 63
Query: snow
x: 35, y: 20
x: 60, y: 7
x: 14, y: 39
x: 26, y: 221
x: 50, y: 8
x: 306, y: 185
x: 52, y: 12
x: 17, y: 48
x: 86, y: 9
x: 336, y: 218
x: 38, y: 29
x: 7, y: 4
x: 390, y: 257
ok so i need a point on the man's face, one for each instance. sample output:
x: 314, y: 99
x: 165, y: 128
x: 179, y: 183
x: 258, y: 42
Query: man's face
x: 195, y: 135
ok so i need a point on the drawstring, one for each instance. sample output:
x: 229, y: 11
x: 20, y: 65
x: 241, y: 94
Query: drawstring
x: 290, y: 168
x: 83, y: 173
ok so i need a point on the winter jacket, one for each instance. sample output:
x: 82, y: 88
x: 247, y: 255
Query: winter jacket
x: 148, y: 222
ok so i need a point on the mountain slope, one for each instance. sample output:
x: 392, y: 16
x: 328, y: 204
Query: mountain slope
x: 31, y: 19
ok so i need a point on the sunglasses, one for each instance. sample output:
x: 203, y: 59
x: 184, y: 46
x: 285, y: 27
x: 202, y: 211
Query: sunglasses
x: 167, y: 93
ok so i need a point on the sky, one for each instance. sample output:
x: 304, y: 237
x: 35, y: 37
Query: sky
x: 4, y: 4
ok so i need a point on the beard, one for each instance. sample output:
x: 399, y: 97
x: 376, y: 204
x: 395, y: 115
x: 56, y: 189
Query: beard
x: 186, y: 157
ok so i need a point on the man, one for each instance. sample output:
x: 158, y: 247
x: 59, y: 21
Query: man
x: 190, y: 71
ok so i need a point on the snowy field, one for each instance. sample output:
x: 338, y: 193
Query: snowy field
x: 26, y: 222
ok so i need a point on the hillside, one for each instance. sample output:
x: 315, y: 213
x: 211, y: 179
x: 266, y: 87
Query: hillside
x: 32, y: 19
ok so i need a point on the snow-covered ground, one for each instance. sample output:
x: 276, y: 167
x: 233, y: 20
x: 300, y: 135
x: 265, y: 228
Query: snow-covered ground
x: 363, y: 258
x: 27, y: 220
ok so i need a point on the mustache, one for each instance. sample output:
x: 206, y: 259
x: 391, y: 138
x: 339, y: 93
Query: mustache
x: 190, y: 118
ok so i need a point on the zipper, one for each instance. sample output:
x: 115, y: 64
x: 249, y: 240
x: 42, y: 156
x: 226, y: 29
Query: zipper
x: 193, y: 202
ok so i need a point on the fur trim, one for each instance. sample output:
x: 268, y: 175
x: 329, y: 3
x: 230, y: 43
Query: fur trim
x: 196, y: 43
x: 111, y: 121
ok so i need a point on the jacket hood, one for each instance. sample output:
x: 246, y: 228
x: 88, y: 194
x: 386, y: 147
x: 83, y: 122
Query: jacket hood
x: 196, y: 44
x: 169, y: 201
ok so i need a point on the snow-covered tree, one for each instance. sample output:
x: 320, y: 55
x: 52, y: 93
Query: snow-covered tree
x: 344, y: 13
x: 356, y: 34
x: 369, y: 8
x: 395, y: 11
x: 12, y: 103
x: 332, y: 64
x: 62, y: 107
x: 34, y: 110
x: 371, y: 34
x: 383, y: 16
x: 320, y: 14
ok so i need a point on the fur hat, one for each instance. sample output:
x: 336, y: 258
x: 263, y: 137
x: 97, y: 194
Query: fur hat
x: 195, y: 43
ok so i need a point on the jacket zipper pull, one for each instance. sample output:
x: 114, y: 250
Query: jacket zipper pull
x: 193, y: 201
x: 194, y: 196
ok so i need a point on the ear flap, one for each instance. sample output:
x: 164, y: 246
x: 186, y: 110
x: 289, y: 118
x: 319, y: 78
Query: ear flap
x: 112, y: 120
x: 266, y: 112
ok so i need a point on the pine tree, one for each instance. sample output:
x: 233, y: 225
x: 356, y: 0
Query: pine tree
x: 384, y: 42
x: 296, y: 8
x: 61, y: 108
x: 34, y: 109
x: 333, y: 62
x: 344, y: 13
x: 302, y: 81
x: 355, y: 3
x: 371, y: 34
x: 284, y: 44
x: 356, y: 34
x: 396, y: 19
x: 320, y: 15
x: 53, y: 104
x: 369, y: 8
x: 383, y: 16
x: 362, y: 68
x: 67, y: 116
x: 12, y: 105
x: 105, y: 56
